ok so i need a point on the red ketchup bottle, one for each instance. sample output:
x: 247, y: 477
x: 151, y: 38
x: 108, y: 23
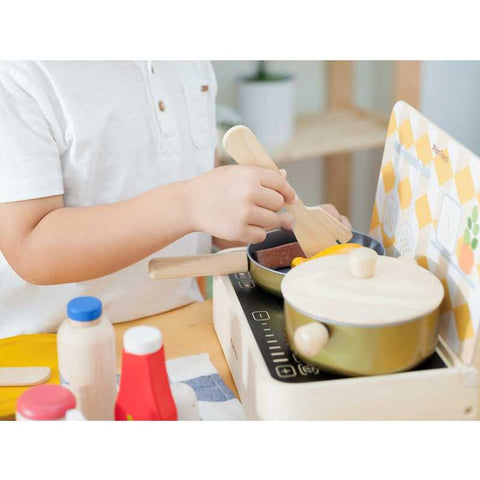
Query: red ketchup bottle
x: 144, y: 392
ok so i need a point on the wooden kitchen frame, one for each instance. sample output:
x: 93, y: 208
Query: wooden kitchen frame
x: 343, y: 128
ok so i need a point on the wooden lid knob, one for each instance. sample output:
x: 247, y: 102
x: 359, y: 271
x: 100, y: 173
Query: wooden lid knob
x: 362, y: 262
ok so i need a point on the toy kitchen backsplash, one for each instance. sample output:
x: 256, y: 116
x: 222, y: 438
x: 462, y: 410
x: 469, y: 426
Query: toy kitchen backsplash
x: 427, y: 206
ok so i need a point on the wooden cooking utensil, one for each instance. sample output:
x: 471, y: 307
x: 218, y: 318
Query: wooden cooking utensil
x: 315, y: 230
x: 23, y: 376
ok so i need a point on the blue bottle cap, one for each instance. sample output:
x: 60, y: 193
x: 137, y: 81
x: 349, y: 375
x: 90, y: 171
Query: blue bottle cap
x: 84, y: 309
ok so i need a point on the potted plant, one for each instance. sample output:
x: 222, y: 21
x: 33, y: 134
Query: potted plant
x: 266, y: 102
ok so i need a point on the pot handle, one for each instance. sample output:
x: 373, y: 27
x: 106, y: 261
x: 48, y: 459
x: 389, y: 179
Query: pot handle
x: 223, y: 263
x: 310, y: 338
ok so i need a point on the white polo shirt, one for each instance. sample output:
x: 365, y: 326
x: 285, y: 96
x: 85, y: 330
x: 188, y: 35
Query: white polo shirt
x: 96, y: 133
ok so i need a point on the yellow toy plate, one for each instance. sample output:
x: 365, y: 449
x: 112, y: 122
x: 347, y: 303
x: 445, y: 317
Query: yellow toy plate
x: 26, y: 351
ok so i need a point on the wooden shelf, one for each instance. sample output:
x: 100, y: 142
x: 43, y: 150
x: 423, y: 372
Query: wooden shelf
x: 332, y: 132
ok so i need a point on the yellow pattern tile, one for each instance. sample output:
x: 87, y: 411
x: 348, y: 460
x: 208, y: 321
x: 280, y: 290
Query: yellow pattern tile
x: 424, y: 150
x: 374, y: 222
x: 392, y: 124
x: 388, y: 177
x: 422, y: 210
x: 422, y: 262
x: 387, y: 241
x: 463, y: 322
x: 405, y: 134
x: 443, y: 167
x: 405, y: 193
x: 446, y: 304
x: 465, y: 187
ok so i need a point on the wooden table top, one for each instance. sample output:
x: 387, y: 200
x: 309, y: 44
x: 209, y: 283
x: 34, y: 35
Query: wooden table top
x: 186, y: 331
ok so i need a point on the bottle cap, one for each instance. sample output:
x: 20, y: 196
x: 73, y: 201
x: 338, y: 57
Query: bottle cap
x: 45, y: 402
x: 142, y: 340
x: 84, y: 309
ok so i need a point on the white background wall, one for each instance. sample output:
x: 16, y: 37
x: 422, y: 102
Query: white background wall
x: 450, y: 96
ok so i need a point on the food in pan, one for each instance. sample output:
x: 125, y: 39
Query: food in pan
x: 340, y: 249
x: 278, y: 257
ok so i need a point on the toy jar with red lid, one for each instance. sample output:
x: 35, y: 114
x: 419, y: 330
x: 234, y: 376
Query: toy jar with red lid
x: 47, y: 402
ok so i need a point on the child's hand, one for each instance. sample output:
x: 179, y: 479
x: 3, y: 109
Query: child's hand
x: 240, y: 203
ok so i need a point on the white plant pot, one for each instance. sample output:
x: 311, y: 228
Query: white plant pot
x: 268, y: 109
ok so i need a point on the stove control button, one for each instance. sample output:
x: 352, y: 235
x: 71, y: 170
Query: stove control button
x: 286, y: 371
x: 260, y: 316
x: 246, y: 284
x: 243, y: 276
x: 306, y: 369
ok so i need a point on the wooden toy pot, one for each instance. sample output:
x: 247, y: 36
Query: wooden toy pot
x: 362, y: 314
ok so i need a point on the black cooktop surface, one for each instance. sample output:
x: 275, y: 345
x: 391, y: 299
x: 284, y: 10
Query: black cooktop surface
x: 264, y: 313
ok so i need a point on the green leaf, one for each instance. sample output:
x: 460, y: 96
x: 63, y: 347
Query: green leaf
x: 469, y: 223
x: 476, y: 229
x: 475, y: 213
x: 467, y: 237
x: 474, y: 243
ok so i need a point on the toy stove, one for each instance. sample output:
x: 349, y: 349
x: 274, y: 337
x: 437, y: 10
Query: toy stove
x: 274, y: 384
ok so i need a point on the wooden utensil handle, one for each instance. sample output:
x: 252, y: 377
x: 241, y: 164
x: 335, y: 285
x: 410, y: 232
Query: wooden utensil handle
x: 234, y: 143
x: 23, y: 376
x: 222, y: 263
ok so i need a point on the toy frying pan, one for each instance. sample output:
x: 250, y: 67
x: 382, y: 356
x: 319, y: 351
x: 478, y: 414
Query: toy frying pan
x: 240, y: 260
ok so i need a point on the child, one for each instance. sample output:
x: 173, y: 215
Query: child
x: 104, y: 165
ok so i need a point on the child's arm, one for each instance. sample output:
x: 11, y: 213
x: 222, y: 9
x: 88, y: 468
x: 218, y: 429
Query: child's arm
x: 48, y: 243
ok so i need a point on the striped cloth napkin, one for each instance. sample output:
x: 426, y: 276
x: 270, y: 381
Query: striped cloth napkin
x: 215, y: 400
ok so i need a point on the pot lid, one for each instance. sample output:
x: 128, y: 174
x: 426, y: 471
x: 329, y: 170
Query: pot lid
x: 362, y: 289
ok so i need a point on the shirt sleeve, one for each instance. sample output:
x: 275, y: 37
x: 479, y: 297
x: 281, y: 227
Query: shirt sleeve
x: 30, y: 164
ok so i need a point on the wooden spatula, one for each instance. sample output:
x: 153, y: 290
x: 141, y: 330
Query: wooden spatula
x: 23, y: 376
x: 315, y: 231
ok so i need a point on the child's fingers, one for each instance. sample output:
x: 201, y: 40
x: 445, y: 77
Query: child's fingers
x: 269, y: 220
x: 331, y: 209
x: 283, y: 172
x: 334, y: 212
x: 277, y: 182
x: 254, y: 234
x: 269, y: 199
x: 264, y: 218
x: 287, y: 220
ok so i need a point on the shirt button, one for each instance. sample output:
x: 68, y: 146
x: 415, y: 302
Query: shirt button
x: 161, y: 105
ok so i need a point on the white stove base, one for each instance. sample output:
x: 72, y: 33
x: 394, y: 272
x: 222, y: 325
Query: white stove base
x: 441, y: 394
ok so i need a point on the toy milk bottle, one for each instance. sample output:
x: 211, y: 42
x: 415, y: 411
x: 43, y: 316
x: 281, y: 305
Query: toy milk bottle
x: 45, y: 402
x: 144, y: 392
x: 86, y: 358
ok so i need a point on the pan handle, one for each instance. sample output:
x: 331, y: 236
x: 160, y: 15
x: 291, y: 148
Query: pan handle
x: 229, y: 261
